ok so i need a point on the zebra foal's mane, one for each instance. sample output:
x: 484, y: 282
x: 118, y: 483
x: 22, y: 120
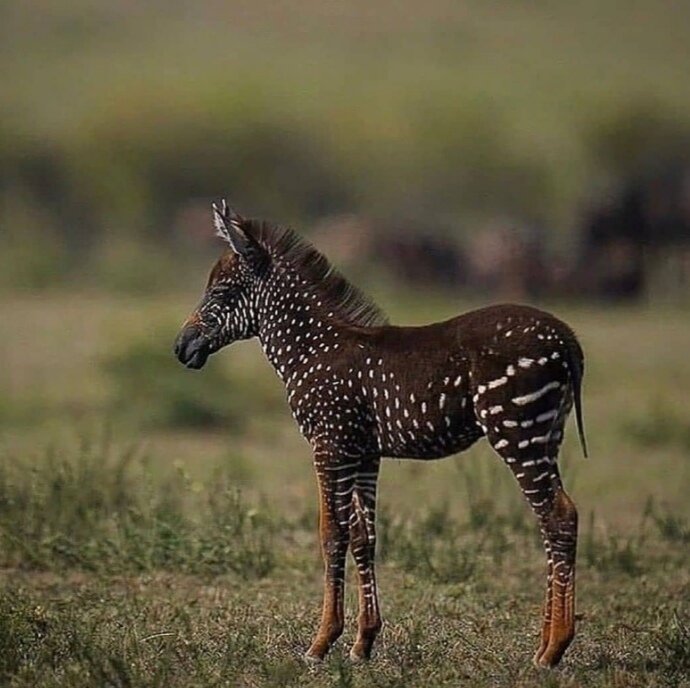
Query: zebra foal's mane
x: 346, y: 301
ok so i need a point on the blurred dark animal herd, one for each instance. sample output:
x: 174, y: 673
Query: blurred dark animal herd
x: 627, y: 238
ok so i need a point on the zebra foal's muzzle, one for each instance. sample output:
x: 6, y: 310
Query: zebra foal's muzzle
x: 192, y: 347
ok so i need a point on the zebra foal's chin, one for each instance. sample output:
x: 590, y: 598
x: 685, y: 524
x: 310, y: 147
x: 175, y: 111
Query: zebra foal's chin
x: 361, y: 389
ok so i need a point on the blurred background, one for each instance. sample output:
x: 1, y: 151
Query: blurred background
x: 444, y: 155
x: 507, y: 149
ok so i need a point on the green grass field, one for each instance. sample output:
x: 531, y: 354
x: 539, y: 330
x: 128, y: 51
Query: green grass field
x: 158, y: 527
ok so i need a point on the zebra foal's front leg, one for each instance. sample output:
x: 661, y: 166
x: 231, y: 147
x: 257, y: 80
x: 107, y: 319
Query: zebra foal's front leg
x: 363, y: 547
x: 336, y: 479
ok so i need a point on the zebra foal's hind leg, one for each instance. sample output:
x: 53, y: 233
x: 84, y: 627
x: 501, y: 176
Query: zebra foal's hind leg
x: 560, y: 532
x: 529, y: 445
x: 541, y: 484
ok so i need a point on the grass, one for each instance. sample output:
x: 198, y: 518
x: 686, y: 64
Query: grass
x: 97, y: 513
x: 112, y: 579
x: 660, y: 426
x: 178, y: 554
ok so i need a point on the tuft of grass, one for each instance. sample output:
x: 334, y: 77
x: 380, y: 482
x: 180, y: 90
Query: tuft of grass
x: 612, y: 554
x: 673, y: 646
x: 430, y: 547
x: 672, y: 527
x: 439, y: 544
x: 100, y: 511
x: 490, y: 509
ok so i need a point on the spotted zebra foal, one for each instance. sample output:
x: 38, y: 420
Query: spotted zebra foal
x: 361, y: 389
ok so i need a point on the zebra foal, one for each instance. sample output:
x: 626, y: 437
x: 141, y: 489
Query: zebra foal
x: 360, y: 389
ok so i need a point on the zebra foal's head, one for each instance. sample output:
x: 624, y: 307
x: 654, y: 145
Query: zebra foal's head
x: 227, y: 312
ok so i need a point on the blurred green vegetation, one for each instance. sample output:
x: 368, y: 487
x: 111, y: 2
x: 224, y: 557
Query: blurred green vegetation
x: 660, y: 426
x: 151, y: 392
x: 117, y: 117
x: 101, y: 510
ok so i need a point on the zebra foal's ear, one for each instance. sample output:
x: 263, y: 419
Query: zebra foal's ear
x: 228, y: 224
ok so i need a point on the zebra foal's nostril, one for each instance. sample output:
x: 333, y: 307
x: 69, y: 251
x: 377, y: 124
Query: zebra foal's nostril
x: 192, y: 348
x: 181, y: 343
x: 185, y: 343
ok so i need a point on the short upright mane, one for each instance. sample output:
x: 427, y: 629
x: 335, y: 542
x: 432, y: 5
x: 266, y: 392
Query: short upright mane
x: 346, y: 301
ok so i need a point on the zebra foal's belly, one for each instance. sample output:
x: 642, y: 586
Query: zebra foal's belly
x: 429, y: 440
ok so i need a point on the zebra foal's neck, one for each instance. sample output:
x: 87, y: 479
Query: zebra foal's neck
x: 296, y: 326
x: 304, y: 302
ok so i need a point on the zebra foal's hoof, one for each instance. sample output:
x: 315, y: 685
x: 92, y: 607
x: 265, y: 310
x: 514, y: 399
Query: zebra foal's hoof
x: 545, y: 659
x: 311, y: 659
x: 357, y: 656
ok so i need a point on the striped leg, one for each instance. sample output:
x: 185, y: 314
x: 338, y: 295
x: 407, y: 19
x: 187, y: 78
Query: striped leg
x: 545, y: 633
x: 540, y: 482
x: 530, y: 448
x: 336, y: 479
x: 560, y: 526
x: 363, y: 547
